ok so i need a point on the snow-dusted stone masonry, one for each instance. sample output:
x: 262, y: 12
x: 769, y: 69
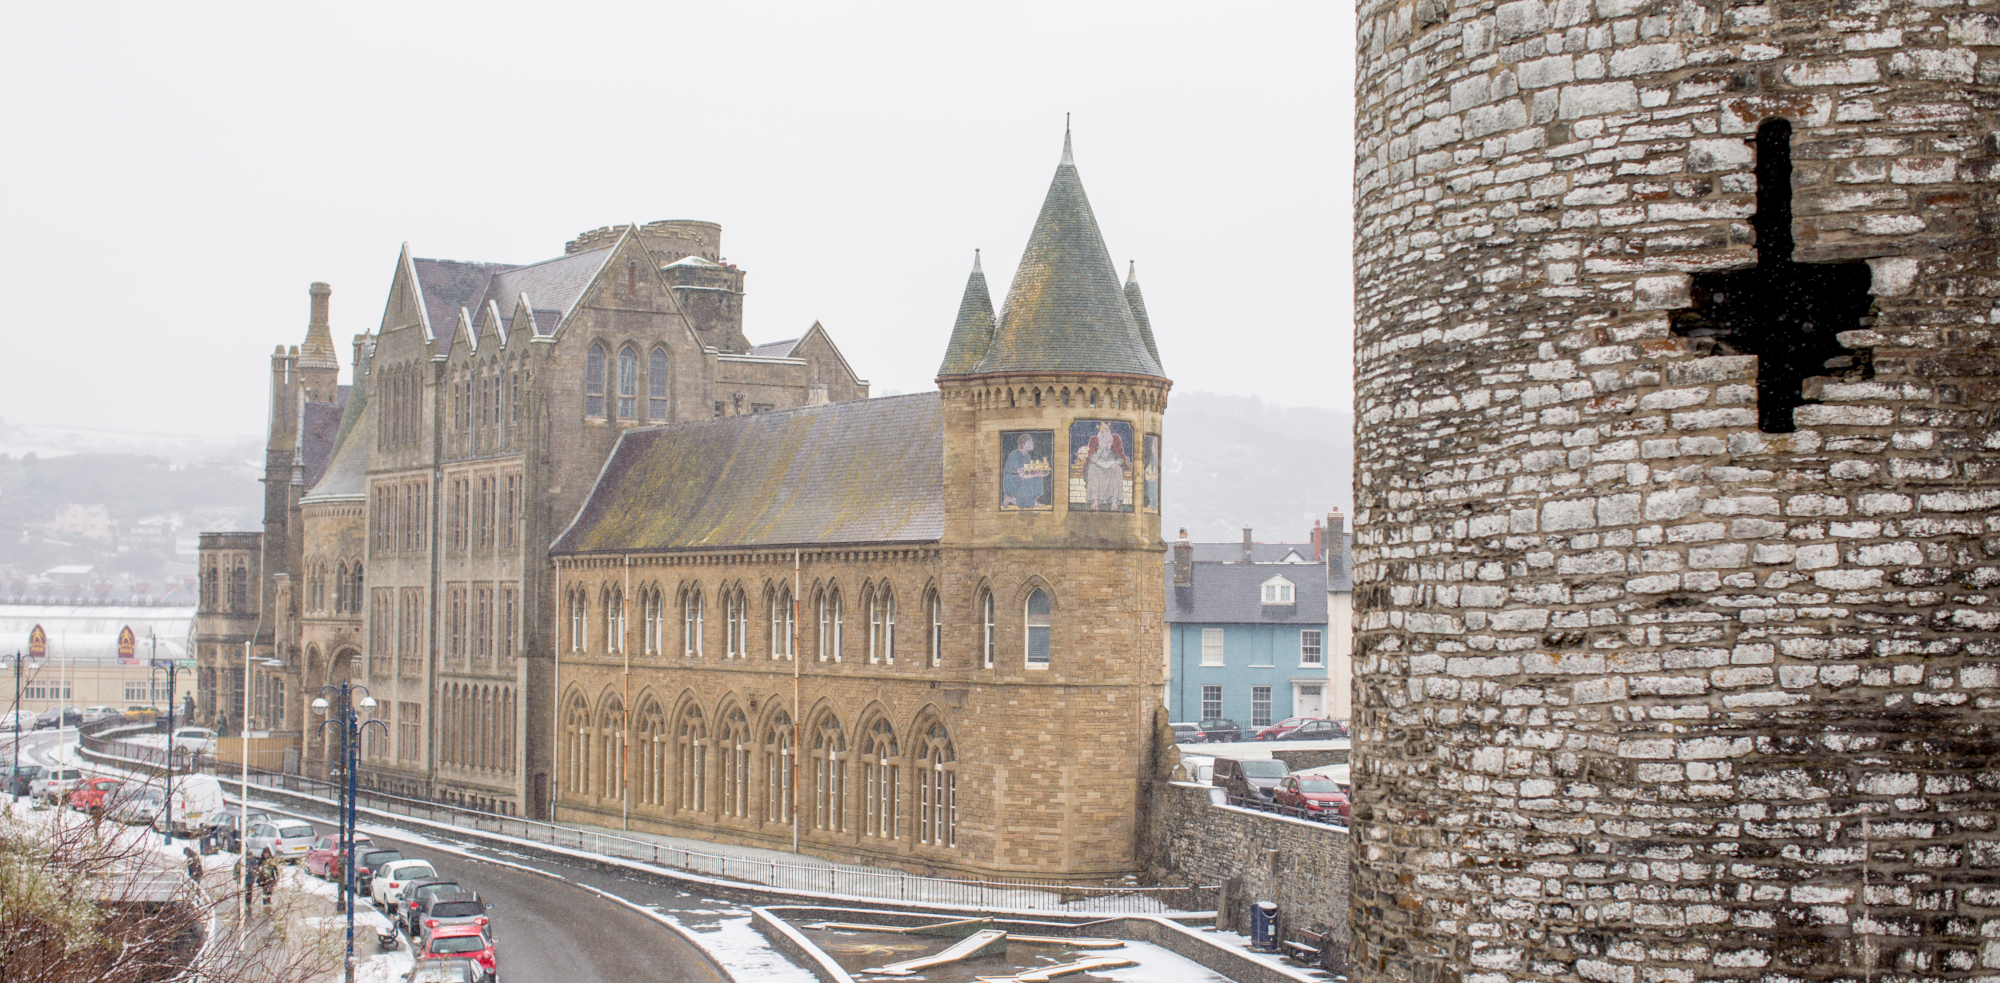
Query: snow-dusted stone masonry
x: 1678, y: 491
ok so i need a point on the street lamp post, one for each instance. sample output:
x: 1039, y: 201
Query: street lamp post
x: 347, y: 720
x: 19, y: 662
x: 172, y: 668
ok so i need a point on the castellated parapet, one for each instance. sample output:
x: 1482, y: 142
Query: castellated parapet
x: 1678, y: 531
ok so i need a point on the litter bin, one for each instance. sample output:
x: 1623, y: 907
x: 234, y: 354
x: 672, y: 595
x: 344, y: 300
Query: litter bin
x: 1264, y: 925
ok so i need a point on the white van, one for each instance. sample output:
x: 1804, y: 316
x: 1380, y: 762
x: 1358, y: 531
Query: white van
x: 197, y: 805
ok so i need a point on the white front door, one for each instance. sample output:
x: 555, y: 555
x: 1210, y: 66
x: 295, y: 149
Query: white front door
x: 1308, y: 699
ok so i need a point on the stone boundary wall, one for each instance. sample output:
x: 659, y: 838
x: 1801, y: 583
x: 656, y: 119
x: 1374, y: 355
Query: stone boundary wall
x: 1301, y: 865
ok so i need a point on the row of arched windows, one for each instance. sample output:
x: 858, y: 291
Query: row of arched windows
x: 602, y: 390
x: 773, y: 635
x: 881, y: 782
x: 476, y: 727
x: 345, y: 590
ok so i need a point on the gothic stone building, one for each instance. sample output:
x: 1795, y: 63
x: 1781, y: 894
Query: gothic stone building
x: 407, y: 521
x: 1678, y: 644
x: 920, y: 630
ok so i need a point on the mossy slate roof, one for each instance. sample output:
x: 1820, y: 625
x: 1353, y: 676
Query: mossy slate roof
x: 865, y: 471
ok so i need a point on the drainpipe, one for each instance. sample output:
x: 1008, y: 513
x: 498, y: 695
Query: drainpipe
x: 795, y: 701
x: 555, y: 705
x: 625, y: 725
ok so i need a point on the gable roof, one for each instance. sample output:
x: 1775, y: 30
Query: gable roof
x: 553, y: 286
x: 446, y: 286
x: 864, y: 471
x: 345, y: 474
x: 318, y: 426
x: 1232, y: 593
x: 775, y: 349
x: 1066, y: 311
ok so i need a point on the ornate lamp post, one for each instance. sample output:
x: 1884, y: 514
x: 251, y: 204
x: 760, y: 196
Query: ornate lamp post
x: 171, y: 668
x: 20, y: 661
x: 347, y: 718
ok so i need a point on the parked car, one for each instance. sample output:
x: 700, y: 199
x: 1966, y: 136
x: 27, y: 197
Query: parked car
x: 468, y: 941
x: 136, y: 805
x: 1249, y: 779
x: 59, y: 717
x: 1313, y: 796
x: 1188, y: 733
x: 1280, y: 727
x: 320, y: 859
x: 19, y: 780
x: 391, y: 878
x: 445, y: 969
x: 140, y: 713
x: 16, y: 718
x: 1220, y: 729
x: 372, y: 861
x: 54, y: 783
x: 287, y: 839
x: 416, y: 894
x: 1313, y: 730
x: 198, y: 806
x: 447, y: 909
x: 88, y: 795
x: 233, y: 823
x: 94, y: 715
x: 193, y: 740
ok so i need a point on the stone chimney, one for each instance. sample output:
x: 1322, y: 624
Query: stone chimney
x: 1248, y: 554
x: 1318, y: 541
x: 1183, y: 561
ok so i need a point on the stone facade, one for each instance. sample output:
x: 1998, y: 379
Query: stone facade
x: 1676, y: 651
x: 1303, y: 866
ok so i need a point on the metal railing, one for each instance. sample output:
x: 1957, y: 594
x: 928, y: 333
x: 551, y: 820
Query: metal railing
x: 825, y: 878
x: 1331, y: 817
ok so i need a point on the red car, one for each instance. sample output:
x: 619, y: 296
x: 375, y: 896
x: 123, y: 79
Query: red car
x: 88, y: 796
x: 321, y: 855
x: 462, y: 942
x: 1312, y: 796
x: 1280, y: 727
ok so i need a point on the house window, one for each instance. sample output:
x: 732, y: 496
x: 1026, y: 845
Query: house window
x: 882, y: 627
x: 986, y: 629
x: 656, y: 386
x: 509, y: 619
x: 1260, y: 706
x: 1277, y: 590
x: 778, y: 769
x: 781, y: 623
x: 691, y: 622
x: 409, y: 731
x: 614, y: 622
x: 577, y: 605
x: 650, y: 616
x: 1211, y: 701
x: 937, y: 788
x: 593, y: 382
x: 839, y: 622
x: 1038, y: 629
x: 936, y: 633
x: 1310, y: 652
x: 1211, y: 646
x: 829, y: 757
x: 628, y: 383
x: 738, y: 614
x: 882, y: 767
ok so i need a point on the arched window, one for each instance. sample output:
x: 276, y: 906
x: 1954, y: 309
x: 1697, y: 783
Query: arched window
x: 691, y: 747
x: 340, y: 588
x: 839, y: 621
x: 593, y: 382
x: 937, y: 785
x: 829, y: 758
x: 883, y: 778
x: 579, y: 604
x: 651, y: 743
x: 614, y: 621
x: 354, y: 592
x: 781, y: 623
x: 656, y: 386
x: 576, y: 729
x: 986, y: 628
x: 935, y: 607
x: 1038, y: 629
x: 611, y: 739
x: 651, y: 615
x: 778, y: 769
x: 821, y: 646
x: 882, y: 626
x: 628, y: 383
x: 691, y: 622
x: 212, y: 586
x: 734, y: 746
x: 239, y: 588
x: 736, y: 614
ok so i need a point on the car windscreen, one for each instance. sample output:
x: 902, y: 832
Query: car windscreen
x: 415, y: 873
x: 380, y: 857
x: 459, y: 943
x: 441, y: 887
x: 1319, y: 786
x: 299, y: 832
x: 1263, y: 769
x: 456, y: 909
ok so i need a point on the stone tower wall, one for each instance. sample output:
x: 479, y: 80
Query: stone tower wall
x: 1643, y: 691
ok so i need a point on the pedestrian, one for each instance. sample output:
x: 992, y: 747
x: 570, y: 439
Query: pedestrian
x: 193, y: 863
x: 267, y: 874
x: 246, y: 869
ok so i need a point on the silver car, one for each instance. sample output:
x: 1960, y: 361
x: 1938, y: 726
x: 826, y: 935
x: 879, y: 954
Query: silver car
x: 55, y: 783
x: 287, y: 839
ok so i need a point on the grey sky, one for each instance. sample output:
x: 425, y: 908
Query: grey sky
x: 178, y: 174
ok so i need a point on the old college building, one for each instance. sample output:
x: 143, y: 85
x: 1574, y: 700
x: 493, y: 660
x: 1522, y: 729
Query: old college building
x: 600, y: 558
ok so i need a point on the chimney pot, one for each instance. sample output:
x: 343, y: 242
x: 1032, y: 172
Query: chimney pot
x: 320, y: 292
x: 1246, y: 544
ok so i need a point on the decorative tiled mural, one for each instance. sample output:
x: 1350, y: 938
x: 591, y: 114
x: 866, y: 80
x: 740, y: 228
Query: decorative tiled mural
x: 1150, y: 498
x: 1027, y: 470
x: 1100, y: 476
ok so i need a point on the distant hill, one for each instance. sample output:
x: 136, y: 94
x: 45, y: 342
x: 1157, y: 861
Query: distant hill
x: 1237, y: 460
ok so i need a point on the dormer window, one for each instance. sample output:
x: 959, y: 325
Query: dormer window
x: 1278, y: 590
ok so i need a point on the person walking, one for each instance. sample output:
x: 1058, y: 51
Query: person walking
x: 267, y: 874
x: 193, y: 863
x: 246, y: 869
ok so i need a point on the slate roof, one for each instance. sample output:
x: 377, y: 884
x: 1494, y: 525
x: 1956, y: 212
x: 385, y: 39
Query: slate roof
x: 345, y: 474
x: 864, y: 471
x: 1137, y: 302
x: 447, y: 285
x: 775, y: 349
x: 1259, y: 552
x: 552, y: 286
x: 973, y: 331
x: 1066, y: 311
x: 317, y: 430
x: 1232, y: 593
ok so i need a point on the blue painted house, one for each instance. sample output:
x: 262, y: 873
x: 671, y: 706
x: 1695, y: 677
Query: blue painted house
x: 1247, y: 632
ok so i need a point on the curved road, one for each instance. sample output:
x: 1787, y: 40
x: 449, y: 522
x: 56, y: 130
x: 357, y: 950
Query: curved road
x: 546, y: 929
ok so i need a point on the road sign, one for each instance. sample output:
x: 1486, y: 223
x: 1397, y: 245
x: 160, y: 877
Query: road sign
x: 184, y: 663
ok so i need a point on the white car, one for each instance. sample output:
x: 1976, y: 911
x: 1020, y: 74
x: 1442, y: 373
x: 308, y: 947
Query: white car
x: 93, y: 715
x: 55, y: 783
x: 287, y: 839
x: 12, y: 718
x: 393, y: 877
x: 194, y: 740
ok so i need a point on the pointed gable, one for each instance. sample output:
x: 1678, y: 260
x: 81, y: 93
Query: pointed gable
x: 447, y: 287
x: 1065, y: 311
x: 972, y: 333
x: 1137, y: 302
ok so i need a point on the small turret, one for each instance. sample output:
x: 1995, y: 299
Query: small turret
x: 973, y: 331
x: 319, y: 363
x: 1137, y: 302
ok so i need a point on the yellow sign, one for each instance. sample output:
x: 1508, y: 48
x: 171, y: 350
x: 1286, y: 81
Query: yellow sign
x: 127, y: 642
x: 38, y: 643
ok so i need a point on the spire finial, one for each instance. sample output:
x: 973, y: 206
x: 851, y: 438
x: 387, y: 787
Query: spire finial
x: 975, y: 262
x: 1067, y: 160
x: 1132, y: 272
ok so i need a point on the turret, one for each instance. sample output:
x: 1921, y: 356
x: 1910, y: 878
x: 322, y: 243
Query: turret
x: 319, y: 364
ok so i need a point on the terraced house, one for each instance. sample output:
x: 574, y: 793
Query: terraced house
x: 921, y: 630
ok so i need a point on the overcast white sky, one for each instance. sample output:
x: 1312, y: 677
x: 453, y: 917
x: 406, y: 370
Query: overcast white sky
x: 177, y: 174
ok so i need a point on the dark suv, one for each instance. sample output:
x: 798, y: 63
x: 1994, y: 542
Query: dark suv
x: 1220, y: 729
x: 1249, y: 781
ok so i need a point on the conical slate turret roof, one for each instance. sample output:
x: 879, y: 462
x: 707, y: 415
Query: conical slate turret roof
x: 973, y: 332
x: 1137, y: 302
x: 1065, y: 311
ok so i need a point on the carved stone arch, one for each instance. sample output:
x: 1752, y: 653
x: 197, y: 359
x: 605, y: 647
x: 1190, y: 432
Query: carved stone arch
x: 735, y: 742
x: 651, y: 740
x: 1029, y: 584
x: 576, y: 736
x: 933, y: 752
